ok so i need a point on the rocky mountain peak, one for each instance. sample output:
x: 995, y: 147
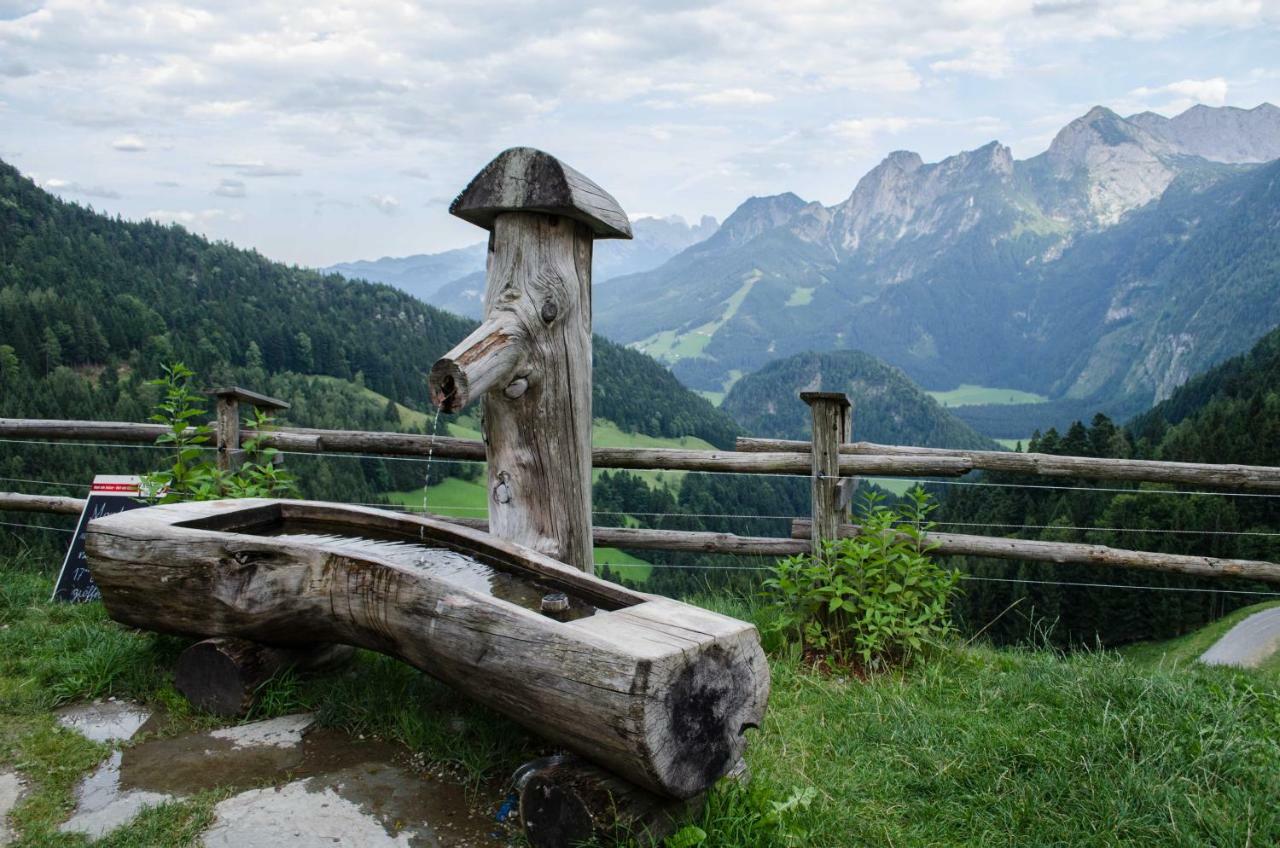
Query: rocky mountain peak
x: 1124, y: 165
x: 1219, y: 134
x: 754, y: 216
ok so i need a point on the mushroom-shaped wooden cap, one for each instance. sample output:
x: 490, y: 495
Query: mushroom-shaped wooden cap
x: 523, y: 179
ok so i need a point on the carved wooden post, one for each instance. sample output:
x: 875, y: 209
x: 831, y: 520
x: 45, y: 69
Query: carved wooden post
x: 830, y: 494
x: 227, y: 428
x: 530, y: 361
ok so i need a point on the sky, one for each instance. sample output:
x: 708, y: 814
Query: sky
x: 319, y: 132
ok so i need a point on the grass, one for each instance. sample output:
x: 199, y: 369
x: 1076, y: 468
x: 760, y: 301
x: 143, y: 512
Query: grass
x: 1013, y: 444
x: 970, y: 746
x: 968, y: 394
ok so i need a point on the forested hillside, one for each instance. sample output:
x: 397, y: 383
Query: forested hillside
x: 91, y: 307
x: 1229, y: 414
x: 887, y: 407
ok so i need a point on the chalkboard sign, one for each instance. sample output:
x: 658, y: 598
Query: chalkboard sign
x: 110, y: 494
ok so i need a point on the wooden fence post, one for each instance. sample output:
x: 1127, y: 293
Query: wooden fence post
x: 832, y: 427
x: 227, y: 427
x: 530, y: 361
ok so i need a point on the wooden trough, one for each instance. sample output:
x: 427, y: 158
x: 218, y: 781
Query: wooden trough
x: 657, y: 691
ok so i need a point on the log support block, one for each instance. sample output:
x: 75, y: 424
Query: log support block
x: 565, y: 800
x: 222, y: 676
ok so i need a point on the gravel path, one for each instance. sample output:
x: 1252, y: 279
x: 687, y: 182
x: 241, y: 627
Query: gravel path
x: 1248, y: 643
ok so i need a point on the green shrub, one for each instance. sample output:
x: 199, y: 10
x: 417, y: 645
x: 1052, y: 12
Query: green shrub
x: 192, y: 476
x: 870, y: 600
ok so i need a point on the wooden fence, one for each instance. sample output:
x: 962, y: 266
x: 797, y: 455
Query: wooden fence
x: 832, y: 468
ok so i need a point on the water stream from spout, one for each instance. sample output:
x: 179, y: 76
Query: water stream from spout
x: 426, y: 480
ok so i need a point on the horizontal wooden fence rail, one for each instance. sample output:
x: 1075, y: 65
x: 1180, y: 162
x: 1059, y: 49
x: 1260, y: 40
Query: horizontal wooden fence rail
x: 1243, y: 477
x: 948, y: 544
x: 690, y: 541
x: 447, y: 447
x: 754, y: 456
x: 1075, y: 553
x: 21, y: 502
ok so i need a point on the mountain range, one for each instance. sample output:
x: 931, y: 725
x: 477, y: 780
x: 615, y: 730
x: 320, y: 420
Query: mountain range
x: 454, y: 279
x: 1130, y: 254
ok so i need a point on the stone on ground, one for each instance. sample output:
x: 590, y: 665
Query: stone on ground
x: 12, y: 787
x: 104, y: 721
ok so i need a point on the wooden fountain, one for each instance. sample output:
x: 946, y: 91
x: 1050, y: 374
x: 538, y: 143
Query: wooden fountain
x: 654, y: 695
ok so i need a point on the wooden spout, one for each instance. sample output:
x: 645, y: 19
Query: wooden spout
x: 484, y: 360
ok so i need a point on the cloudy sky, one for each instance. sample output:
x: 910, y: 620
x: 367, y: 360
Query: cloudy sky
x: 322, y: 131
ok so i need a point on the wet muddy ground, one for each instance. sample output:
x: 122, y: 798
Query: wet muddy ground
x: 297, y: 785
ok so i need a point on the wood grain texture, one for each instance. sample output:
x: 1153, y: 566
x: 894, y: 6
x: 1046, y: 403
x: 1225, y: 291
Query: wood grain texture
x: 523, y: 179
x: 831, y: 428
x: 1243, y: 477
x: 1073, y: 553
x: 530, y: 365
x: 654, y: 690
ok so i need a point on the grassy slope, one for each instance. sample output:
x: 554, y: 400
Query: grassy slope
x: 971, y: 747
x: 968, y: 394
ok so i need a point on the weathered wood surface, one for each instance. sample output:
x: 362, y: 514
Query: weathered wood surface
x: 529, y: 180
x: 656, y: 691
x: 831, y: 428
x: 695, y: 541
x: 222, y: 675
x: 256, y: 399
x: 1075, y: 553
x: 21, y: 502
x: 1244, y: 477
x: 529, y: 362
x: 534, y: 351
x: 226, y: 431
x: 93, y: 431
x: 565, y: 800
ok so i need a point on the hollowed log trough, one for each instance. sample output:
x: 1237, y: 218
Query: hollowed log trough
x: 659, y: 692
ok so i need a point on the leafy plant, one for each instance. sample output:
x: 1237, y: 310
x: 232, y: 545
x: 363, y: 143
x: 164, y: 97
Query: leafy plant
x: 192, y: 476
x: 873, y: 599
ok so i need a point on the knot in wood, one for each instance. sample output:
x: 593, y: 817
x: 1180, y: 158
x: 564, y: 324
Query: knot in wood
x: 549, y: 311
x: 502, y: 492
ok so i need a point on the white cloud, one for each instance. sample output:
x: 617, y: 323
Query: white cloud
x: 257, y: 169
x: 72, y: 187
x: 863, y: 129
x: 188, y: 218
x: 1210, y: 92
x: 230, y: 188
x: 385, y: 203
x: 734, y: 97
x: 129, y: 144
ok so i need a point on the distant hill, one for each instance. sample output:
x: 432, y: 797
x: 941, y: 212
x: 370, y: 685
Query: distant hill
x: 1129, y: 255
x: 454, y: 279
x: 887, y: 407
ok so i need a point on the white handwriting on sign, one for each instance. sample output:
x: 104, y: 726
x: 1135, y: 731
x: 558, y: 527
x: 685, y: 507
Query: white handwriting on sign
x: 88, y: 593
